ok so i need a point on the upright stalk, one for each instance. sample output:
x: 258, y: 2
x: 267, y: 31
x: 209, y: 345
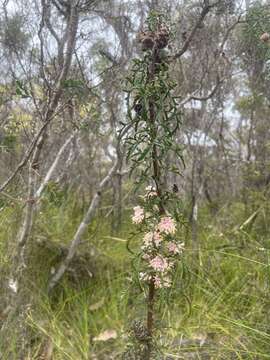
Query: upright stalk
x: 153, y: 120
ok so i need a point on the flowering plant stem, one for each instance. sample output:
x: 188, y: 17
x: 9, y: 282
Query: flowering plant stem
x: 153, y: 121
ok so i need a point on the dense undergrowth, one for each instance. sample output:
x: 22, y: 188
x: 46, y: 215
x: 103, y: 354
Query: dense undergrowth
x: 217, y: 309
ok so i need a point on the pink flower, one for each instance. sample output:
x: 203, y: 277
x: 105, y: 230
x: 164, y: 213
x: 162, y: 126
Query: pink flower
x: 167, y: 225
x: 158, y: 263
x: 152, y: 237
x: 138, y: 216
x: 157, y: 281
x: 175, y: 248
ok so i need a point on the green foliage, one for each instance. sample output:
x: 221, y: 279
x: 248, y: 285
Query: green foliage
x: 53, y: 194
x: 8, y: 142
x: 75, y: 87
x: 144, y: 135
x: 13, y: 35
x: 257, y: 23
x: 21, y: 89
x: 250, y: 102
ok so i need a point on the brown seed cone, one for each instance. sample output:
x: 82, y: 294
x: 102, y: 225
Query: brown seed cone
x: 265, y: 37
x: 146, y: 38
x: 162, y: 38
x: 147, y: 43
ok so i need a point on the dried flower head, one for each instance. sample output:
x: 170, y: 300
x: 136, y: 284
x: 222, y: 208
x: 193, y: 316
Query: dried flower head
x: 146, y: 38
x: 162, y: 37
x: 139, y: 330
x: 265, y: 37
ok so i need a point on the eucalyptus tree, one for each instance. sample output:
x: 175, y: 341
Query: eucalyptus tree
x: 54, y: 83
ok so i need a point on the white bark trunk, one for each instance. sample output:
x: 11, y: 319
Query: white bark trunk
x: 53, y: 166
x: 82, y: 228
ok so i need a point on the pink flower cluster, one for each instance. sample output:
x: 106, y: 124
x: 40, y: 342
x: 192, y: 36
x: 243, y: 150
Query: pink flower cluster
x: 159, y: 263
x: 159, y: 249
x: 167, y: 225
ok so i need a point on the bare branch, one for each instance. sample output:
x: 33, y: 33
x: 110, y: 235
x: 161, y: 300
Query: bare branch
x: 204, y: 98
x: 47, y: 13
x: 72, y: 31
x: 228, y: 31
x: 25, y: 158
x: 41, y: 40
x: 206, y: 9
x: 108, y: 56
x: 54, y: 165
x: 211, y: 93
